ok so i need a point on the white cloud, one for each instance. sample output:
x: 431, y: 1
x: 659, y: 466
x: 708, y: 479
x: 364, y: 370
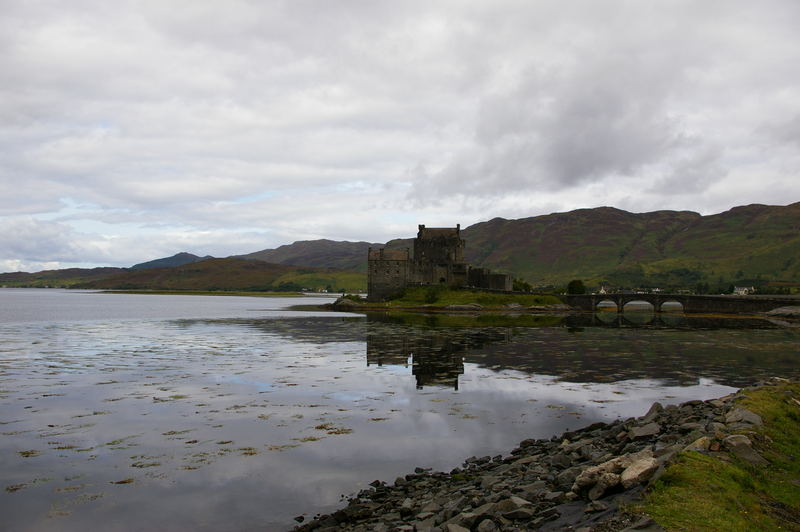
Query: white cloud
x: 257, y: 124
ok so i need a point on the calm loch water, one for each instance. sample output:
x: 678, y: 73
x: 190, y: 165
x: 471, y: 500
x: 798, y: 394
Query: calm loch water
x: 126, y: 412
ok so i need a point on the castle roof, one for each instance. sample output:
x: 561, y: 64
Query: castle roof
x: 433, y: 232
x: 388, y: 254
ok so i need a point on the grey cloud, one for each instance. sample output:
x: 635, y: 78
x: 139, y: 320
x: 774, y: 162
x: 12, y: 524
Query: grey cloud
x: 34, y: 240
x: 259, y: 123
x: 649, y: 91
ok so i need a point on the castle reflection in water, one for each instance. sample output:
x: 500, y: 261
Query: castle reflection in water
x: 436, y: 356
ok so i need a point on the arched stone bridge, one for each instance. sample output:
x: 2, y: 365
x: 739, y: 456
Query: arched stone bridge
x: 694, y: 304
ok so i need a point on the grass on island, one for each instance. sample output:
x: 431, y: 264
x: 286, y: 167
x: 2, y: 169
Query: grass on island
x: 241, y: 293
x: 440, y: 296
x: 704, y: 493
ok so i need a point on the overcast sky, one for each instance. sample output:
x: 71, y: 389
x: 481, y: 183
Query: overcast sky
x: 132, y: 130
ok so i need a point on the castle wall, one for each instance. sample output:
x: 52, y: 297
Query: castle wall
x: 438, y: 259
x: 387, y: 273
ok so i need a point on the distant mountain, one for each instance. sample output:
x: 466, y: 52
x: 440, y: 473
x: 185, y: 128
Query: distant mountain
x: 318, y: 253
x: 671, y: 248
x: 179, y: 259
x: 56, y: 278
x: 753, y: 244
x: 749, y: 244
x: 231, y: 274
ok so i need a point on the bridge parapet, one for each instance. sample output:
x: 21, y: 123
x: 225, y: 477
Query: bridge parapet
x: 695, y: 304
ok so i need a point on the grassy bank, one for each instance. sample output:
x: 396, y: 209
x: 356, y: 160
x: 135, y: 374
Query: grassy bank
x: 240, y: 293
x: 443, y: 297
x: 720, y: 492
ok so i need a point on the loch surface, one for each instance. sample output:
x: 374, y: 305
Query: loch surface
x: 143, y: 412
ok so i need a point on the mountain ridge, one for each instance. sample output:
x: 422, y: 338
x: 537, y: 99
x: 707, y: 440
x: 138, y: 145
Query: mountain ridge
x: 179, y: 259
x: 747, y: 244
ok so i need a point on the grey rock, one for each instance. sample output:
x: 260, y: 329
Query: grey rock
x: 344, y: 302
x: 561, y: 461
x: 425, y: 525
x: 566, y: 478
x: 644, y: 431
x: 432, y: 507
x: 527, y: 460
x: 511, y: 503
x: 604, y: 483
x: 484, y: 509
x: 742, y: 415
x: 520, y: 513
x: 596, y: 506
x: 638, y: 472
x: 653, y: 413
x: 488, y: 482
x: 554, y: 497
x: 487, y: 525
x: 700, y: 444
x: 741, y: 446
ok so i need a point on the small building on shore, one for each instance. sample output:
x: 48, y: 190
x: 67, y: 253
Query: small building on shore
x: 437, y: 259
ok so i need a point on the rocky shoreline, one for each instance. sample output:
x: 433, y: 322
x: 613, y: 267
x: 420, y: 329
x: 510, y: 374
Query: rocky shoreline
x: 578, y: 481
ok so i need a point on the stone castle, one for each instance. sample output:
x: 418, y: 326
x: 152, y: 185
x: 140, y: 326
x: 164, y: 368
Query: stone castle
x: 438, y: 258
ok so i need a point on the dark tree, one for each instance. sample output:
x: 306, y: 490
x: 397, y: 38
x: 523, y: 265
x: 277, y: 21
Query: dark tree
x: 521, y: 285
x: 576, y: 286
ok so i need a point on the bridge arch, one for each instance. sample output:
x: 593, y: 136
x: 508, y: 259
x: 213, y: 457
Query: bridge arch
x: 607, y: 304
x: 638, y: 304
x: 671, y: 304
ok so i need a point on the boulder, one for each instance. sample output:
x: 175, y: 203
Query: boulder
x: 700, y: 444
x: 653, y: 413
x: 511, y: 503
x: 638, y: 472
x: 344, y: 302
x: 743, y: 415
x: 604, y: 483
x: 487, y: 525
x: 520, y: 513
x: 644, y: 431
x: 742, y: 447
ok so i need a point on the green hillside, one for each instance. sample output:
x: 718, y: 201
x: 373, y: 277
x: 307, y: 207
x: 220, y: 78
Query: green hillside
x: 753, y: 244
x: 56, y: 278
x: 179, y: 259
x: 318, y: 253
x: 232, y: 274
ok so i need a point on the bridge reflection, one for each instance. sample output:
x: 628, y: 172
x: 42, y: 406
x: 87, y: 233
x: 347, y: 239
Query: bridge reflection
x: 443, y: 350
x: 439, y: 349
